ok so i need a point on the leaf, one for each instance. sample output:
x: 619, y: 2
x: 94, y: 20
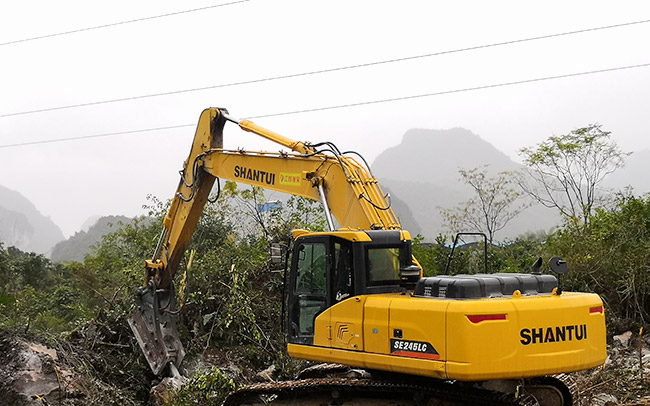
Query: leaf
x: 208, y: 317
x: 6, y: 299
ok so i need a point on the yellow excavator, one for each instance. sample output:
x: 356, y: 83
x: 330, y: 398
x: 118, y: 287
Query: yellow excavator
x: 357, y: 301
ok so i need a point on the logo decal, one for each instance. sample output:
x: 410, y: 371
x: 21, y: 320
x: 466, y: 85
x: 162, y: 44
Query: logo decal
x: 289, y: 179
x: 255, y: 175
x: 413, y: 349
x: 342, y: 329
x: 553, y: 334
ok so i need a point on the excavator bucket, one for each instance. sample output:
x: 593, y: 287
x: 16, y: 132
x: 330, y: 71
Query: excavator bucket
x: 154, y: 325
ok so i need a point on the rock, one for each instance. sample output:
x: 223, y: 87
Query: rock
x: 623, y: 339
x: 29, y: 374
x: 166, y: 390
x: 604, y: 399
x: 267, y: 374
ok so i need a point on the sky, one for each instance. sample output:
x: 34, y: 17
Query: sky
x: 74, y: 180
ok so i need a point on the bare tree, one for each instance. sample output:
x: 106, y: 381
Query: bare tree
x: 492, y: 207
x: 566, y: 171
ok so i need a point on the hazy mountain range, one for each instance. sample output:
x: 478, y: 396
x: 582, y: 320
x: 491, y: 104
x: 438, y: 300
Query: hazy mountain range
x: 79, y: 245
x: 23, y: 226
x: 420, y: 173
x: 423, y: 171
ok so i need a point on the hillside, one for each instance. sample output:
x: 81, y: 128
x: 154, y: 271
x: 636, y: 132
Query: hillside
x: 434, y: 157
x: 422, y: 171
x: 23, y: 226
x: 79, y: 245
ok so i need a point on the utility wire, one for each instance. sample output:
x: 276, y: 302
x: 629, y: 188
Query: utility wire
x: 468, y: 89
x: 341, y: 106
x: 84, y: 137
x: 321, y: 71
x: 137, y: 20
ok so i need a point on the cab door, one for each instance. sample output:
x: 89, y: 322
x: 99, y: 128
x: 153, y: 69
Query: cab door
x: 310, y: 268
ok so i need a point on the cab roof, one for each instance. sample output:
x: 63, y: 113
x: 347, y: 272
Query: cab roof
x: 378, y: 236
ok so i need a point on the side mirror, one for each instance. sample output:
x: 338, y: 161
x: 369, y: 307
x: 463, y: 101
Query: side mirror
x: 560, y: 267
x: 409, y: 276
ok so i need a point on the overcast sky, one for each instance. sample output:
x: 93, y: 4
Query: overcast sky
x: 71, y: 181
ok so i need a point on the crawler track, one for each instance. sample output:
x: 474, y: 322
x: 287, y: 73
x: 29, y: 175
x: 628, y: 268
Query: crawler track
x: 353, y: 392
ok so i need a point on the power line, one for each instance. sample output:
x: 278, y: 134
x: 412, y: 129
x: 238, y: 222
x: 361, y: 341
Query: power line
x: 341, y: 106
x: 321, y: 71
x: 137, y: 20
x: 84, y: 137
x: 468, y: 89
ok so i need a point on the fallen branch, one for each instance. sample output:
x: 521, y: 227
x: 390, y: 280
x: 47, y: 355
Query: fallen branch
x: 595, y: 386
x: 113, y: 344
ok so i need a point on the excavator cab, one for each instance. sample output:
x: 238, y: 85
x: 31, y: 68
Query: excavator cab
x: 328, y: 268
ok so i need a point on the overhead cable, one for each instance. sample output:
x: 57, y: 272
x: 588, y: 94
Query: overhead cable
x: 467, y: 89
x: 341, y: 106
x: 84, y: 137
x: 137, y: 20
x: 321, y: 71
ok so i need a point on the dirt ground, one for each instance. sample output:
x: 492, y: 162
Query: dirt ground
x: 625, y: 377
x: 32, y: 374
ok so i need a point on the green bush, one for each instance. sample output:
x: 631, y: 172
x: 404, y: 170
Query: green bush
x: 206, y: 389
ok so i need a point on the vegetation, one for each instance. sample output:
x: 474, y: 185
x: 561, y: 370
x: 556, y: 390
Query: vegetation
x: 232, y: 298
x: 567, y: 171
x: 493, y: 206
x: 232, y: 295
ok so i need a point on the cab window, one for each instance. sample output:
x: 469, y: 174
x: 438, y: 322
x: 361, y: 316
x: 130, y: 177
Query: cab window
x: 311, y: 269
x: 310, y: 287
x: 383, y: 266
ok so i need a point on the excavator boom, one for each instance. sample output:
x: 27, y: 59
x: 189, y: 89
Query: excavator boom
x: 347, y: 188
x: 320, y: 172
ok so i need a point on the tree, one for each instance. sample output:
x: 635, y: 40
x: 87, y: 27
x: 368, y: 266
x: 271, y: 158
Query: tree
x: 492, y: 207
x: 611, y: 257
x: 567, y: 171
x: 274, y: 223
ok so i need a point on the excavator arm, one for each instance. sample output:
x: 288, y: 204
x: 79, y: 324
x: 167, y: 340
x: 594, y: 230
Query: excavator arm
x: 320, y: 172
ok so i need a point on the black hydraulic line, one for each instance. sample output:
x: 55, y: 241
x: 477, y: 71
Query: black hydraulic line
x: 336, y: 155
x: 363, y: 196
x: 218, y: 192
x: 362, y: 158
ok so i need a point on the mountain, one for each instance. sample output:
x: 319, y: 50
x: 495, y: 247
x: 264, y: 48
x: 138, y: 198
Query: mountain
x: 23, y: 226
x: 434, y: 157
x: 422, y: 171
x: 79, y: 245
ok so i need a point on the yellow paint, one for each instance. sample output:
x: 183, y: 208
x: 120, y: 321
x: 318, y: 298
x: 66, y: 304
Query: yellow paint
x: 411, y: 366
x: 468, y: 351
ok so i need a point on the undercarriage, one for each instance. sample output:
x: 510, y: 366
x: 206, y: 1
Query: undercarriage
x: 329, y: 384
